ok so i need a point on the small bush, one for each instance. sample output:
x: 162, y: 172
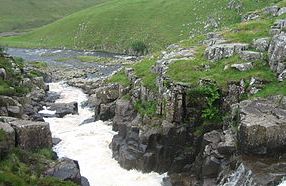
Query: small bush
x: 146, y: 108
x: 139, y: 47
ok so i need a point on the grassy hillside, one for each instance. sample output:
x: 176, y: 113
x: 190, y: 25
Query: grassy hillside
x: 116, y: 24
x: 16, y: 15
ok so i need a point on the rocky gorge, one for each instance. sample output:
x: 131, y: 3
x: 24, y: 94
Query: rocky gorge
x: 199, y: 133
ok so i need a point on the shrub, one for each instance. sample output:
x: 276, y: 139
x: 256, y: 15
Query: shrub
x: 139, y: 47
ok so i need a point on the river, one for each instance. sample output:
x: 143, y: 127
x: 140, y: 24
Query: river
x: 89, y: 145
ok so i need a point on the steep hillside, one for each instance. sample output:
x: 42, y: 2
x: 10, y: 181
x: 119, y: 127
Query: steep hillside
x: 17, y: 15
x: 115, y: 25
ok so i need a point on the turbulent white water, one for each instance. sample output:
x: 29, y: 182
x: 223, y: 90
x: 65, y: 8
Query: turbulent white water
x: 89, y: 145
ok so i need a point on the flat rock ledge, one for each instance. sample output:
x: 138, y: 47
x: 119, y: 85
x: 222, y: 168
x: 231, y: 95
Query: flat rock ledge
x: 262, y: 129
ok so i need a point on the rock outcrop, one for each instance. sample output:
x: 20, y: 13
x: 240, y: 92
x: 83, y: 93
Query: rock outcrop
x: 220, y: 51
x: 277, y: 54
x: 262, y: 126
x: 65, y: 169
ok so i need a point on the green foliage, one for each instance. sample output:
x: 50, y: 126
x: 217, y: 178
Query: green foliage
x: 139, y: 48
x: 146, y: 108
x: 113, y: 25
x: 25, y: 168
x: 143, y: 70
x: 93, y: 59
x: 39, y: 64
x: 212, y: 97
x: 2, y: 135
x: 120, y: 78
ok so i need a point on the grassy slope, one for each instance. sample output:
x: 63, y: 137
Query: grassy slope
x: 16, y: 15
x: 191, y: 71
x: 114, y: 25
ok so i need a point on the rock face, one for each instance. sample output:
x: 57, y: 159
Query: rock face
x: 250, y: 56
x: 63, y: 109
x: 32, y: 135
x: 277, y: 53
x: 7, y: 138
x: 13, y: 107
x: 243, y: 66
x: 261, y: 44
x: 262, y: 127
x: 220, y: 51
x: 66, y: 169
x: 124, y: 113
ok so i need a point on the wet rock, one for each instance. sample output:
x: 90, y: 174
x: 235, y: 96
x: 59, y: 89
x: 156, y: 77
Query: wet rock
x: 262, y: 127
x: 7, y: 138
x: 261, y: 44
x: 84, y: 181
x: 250, y: 56
x: 63, y: 109
x: 51, y: 97
x: 15, y: 111
x: 212, y: 137
x: 56, y: 141
x: 89, y: 120
x: 32, y: 135
x: 243, y: 66
x: 66, y: 169
x: 220, y: 51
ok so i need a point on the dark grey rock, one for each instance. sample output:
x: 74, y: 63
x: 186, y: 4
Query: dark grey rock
x: 66, y: 169
x: 63, y: 109
x: 250, y: 56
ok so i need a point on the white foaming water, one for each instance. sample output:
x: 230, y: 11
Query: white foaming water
x: 89, y: 145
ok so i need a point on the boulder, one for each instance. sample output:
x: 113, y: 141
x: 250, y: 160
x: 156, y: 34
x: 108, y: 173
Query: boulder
x: 7, y: 138
x: 250, y: 16
x: 262, y: 126
x: 277, y: 53
x: 272, y: 10
x: 13, y: 107
x: 242, y: 66
x: 65, y: 169
x: 105, y: 111
x: 220, y: 51
x: 227, y: 146
x: 261, y: 44
x: 63, y: 109
x: 282, y: 76
x: 104, y: 95
x: 32, y: 135
x: 281, y: 11
x: 250, y: 56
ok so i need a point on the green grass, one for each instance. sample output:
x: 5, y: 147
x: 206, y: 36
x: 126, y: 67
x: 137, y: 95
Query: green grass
x: 120, y: 78
x: 39, y: 64
x: 22, y: 168
x: 143, y: 70
x: 19, y: 15
x: 93, y: 59
x: 116, y: 24
x: 191, y: 71
x: 147, y: 108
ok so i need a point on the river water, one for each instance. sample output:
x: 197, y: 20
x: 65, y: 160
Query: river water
x: 89, y: 145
